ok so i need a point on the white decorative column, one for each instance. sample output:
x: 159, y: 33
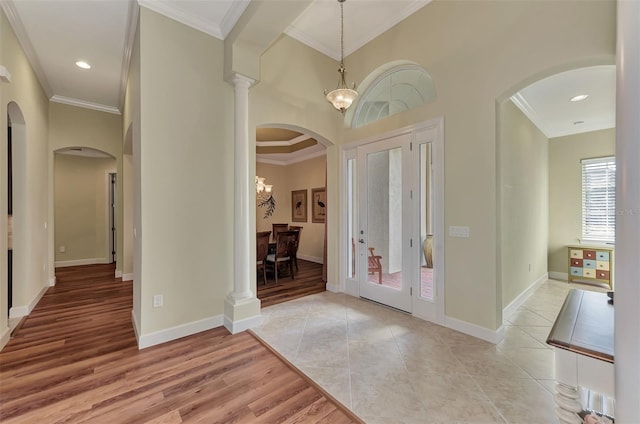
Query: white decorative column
x: 627, y: 284
x: 242, y: 308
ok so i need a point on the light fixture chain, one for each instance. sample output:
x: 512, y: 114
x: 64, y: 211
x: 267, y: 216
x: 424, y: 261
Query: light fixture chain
x: 342, y: 32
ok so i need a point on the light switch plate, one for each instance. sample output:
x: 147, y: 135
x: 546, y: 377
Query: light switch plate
x: 455, y: 231
x: 157, y: 300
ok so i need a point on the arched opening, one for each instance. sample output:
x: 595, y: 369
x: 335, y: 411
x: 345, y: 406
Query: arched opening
x: 16, y: 201
x: 127, y: 207
x: 85, y: 222
x: 542, y: 137
x: 293, y: 161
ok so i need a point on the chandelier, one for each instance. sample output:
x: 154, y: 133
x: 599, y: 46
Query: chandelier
x: 265, y: 196
x: 342, y: 97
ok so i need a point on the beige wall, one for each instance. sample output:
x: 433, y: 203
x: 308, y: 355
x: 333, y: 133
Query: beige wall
x: 186, y: 175
x: 305, y: 175
x: 524, y: 202
x: 32, y: 264
x: 81, y: 208
x: 565, y: 189
x: 477, y: 53
x: 72, y: 126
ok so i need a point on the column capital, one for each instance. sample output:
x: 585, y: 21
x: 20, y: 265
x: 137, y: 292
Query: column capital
x: 239, y: 80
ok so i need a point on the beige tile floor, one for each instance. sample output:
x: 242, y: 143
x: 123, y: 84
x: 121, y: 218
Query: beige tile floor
x: 389, y: 367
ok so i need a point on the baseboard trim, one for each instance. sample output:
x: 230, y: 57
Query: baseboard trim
x: 239, y: 326
x: 52, y: 281
x: 179, y: 331
x: 23, y: 311
x: 522, y: 297
x: 77, y: 262
x: 491, y: 336
x: 118, y: 273
x: 334, y: 288
x: 136, y: 329
x: 562, y: 276
x: 311, y: 259
x: 127, y: 277
x: 6, y: 336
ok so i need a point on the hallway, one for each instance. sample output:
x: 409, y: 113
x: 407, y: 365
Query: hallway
x: 74, y: 359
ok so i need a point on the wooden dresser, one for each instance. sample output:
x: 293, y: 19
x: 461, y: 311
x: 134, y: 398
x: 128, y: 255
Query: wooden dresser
x: 591, y: 264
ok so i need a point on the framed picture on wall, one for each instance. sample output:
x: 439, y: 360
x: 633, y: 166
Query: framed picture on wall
x: 299, y: 205
x: 318, y: 204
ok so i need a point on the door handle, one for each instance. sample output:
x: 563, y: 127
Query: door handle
x: 361, y: 241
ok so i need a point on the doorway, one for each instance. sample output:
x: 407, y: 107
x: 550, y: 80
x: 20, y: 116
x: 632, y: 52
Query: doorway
x: 112, y: 217
x: 395, y: 221
x: 384, y: 237
x: 9, y: 220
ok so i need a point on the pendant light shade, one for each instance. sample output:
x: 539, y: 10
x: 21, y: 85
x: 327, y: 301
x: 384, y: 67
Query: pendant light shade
x: 342, y: 97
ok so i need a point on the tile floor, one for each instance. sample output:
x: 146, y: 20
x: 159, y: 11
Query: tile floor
x: 389, y: 367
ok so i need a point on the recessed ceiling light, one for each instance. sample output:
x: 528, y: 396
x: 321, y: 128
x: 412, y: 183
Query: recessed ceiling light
x: 82, y: 64
x: 578, y: 122
x: 579, y: 97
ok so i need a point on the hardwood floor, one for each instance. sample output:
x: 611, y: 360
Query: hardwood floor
x: 75, y: 360
x: 308, y: 280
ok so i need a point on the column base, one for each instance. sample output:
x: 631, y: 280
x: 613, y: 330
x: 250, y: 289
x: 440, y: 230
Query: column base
x: 241, y: 314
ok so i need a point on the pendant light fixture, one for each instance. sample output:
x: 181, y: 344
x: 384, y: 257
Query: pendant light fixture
x: 342, y: 97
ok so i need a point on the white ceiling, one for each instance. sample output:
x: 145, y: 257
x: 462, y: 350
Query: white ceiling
x: 57, y: 33
x: 547, y: 102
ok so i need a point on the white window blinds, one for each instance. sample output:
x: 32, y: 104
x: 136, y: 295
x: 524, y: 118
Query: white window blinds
x: 599, y: 199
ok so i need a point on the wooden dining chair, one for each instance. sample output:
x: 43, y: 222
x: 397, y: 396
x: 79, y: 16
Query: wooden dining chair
x: 285, y: 245
x: 278, y: 228
x: 295, y: 252
x: 262, y: 249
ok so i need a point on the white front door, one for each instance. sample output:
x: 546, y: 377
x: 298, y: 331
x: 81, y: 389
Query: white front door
x: 385, y: 218
x: 395, y: 221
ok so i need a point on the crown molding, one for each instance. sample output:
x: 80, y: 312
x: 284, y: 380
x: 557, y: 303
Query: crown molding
x: 351, y: 44
x: 10, y: 11
x: 522, y: 104
x: 176, y: 14
x: 314, y: 43
x: 386, y: 25
x: 132, y: 25
x: 232, y: 16
x: 291, y: 142
x: 85, y: 104
x: 291, y: 158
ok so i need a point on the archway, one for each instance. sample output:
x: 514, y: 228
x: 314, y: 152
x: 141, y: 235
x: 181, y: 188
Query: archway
x: 84, y: 207
x: 16, y: 202
x: 539, y: 175
x: 293, y: 159
x: 127, y: 206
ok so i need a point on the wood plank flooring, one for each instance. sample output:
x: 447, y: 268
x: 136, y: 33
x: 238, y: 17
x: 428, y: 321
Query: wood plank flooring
x: 308, y: 280
x: 75, y: 360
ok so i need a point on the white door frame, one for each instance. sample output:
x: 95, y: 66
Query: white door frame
x: 429, y: 131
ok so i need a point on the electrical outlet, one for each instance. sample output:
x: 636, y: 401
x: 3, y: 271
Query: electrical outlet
x: 62, y: 249
x: 157, y: 300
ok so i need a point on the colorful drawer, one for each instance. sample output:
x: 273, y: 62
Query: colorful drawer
x: 591, y: 264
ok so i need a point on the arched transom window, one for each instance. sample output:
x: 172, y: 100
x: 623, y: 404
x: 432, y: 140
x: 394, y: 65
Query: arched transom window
x: 397, y: 90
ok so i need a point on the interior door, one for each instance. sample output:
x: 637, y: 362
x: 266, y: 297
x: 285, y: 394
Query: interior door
x: 383, y: 241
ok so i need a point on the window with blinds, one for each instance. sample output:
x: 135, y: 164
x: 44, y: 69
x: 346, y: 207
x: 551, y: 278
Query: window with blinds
x: 599, y: 200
